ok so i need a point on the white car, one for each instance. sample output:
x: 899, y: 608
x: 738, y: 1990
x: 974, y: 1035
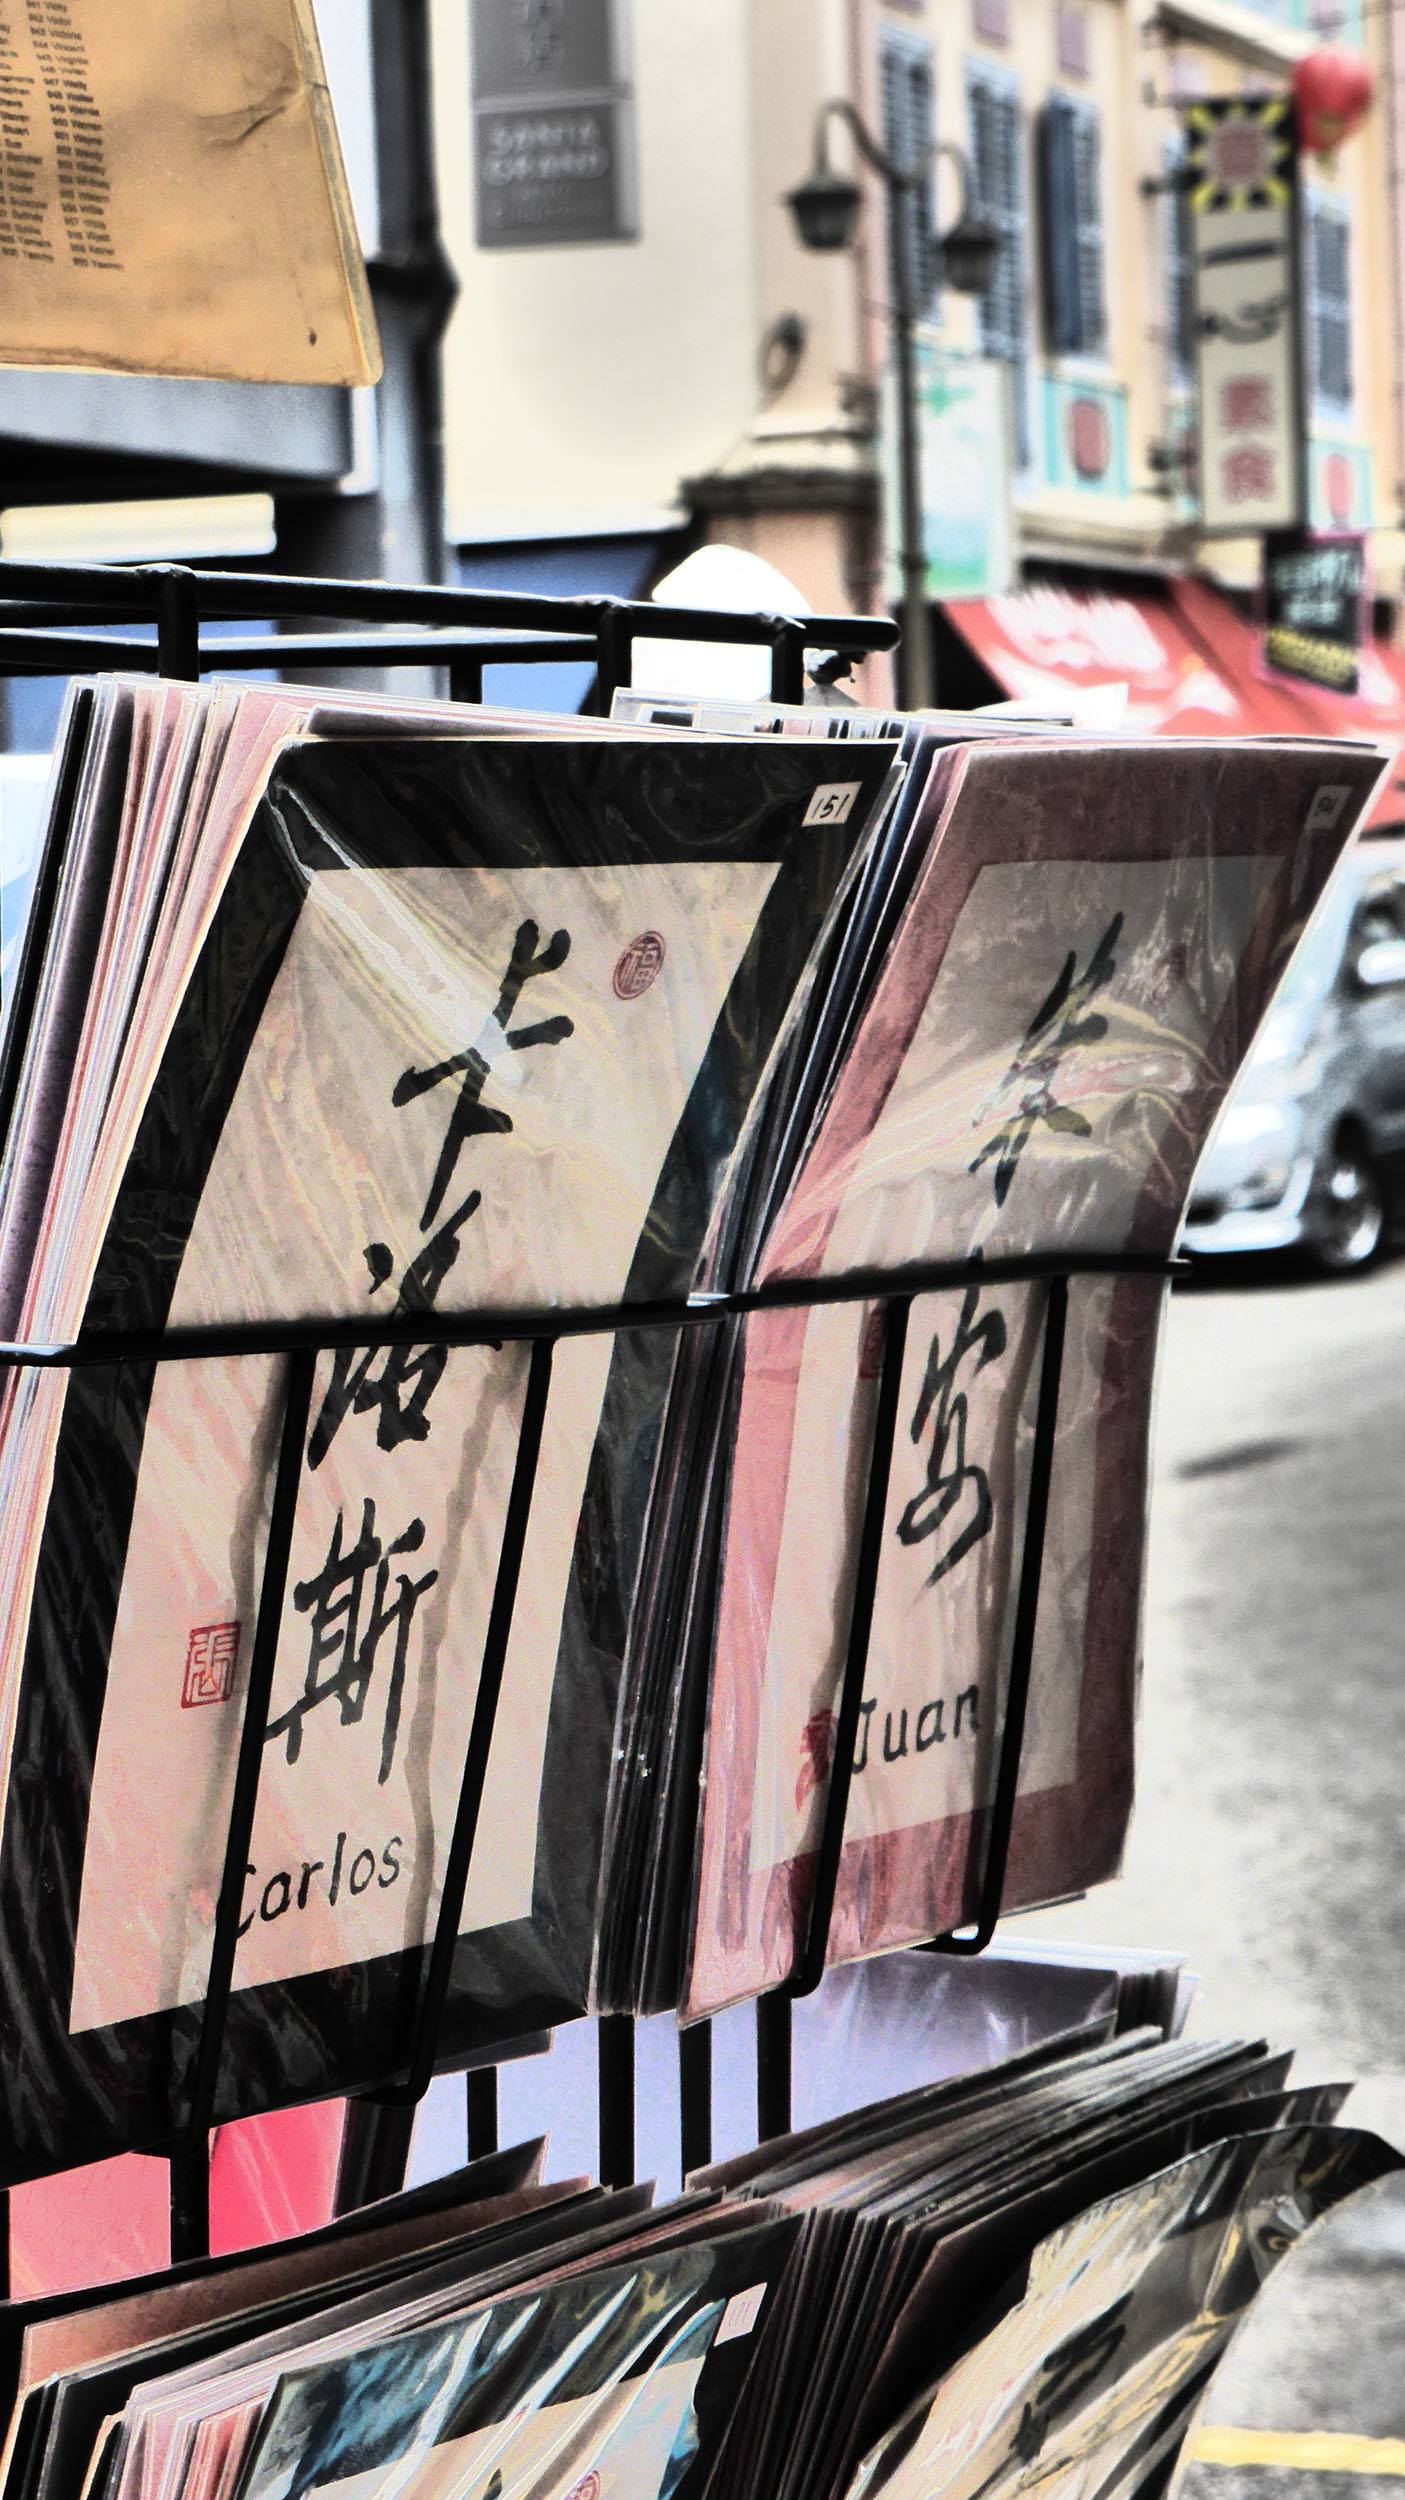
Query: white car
x: 1309, y: 1150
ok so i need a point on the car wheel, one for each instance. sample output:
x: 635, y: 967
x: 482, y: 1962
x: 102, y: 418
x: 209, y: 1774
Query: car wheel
x: 1348, y: 1223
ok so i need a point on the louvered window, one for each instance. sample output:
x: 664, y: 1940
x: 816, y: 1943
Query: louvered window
x: 909, y: 127
x: 1327, y: 294
x: 1071, y: 221
x: 998, y: 188
x: 1180, y: 275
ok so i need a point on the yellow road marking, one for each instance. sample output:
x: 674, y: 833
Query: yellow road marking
x: 1321, y: 2452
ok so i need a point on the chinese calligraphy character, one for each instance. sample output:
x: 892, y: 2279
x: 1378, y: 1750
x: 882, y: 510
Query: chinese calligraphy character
x: 1246, y: 402
x: 1060, y: 1025
x: 470, y: 1117
x: 1247, y: 473
x: 399, y: 1382
x: 347, y: 1633
x: 957, y: 1490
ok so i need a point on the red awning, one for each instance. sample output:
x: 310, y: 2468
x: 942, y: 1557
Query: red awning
x: 1188, y: 665
x: 1077, y: 650
x: 1235, y: 646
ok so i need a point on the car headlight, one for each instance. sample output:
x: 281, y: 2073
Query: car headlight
x: 1263, y: 1189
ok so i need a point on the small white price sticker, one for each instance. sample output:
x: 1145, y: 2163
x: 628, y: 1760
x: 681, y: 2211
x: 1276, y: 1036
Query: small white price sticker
x: 741, y: 2313
x: 831, y: 803
x: 1325, y: 812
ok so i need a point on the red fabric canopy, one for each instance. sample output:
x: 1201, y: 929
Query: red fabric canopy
x: 1191, y: 666
x: 1077, y: 649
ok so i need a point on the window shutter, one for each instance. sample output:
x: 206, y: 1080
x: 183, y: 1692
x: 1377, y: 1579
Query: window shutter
x: 909, y: 127
x: 1327, y: 234
x: 1088, y: 196
x: 997, y: 193
x: 1058, y: 218
x: 1180, y: 293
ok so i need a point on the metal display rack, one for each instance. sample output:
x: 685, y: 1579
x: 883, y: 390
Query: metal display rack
x: 51, y: 621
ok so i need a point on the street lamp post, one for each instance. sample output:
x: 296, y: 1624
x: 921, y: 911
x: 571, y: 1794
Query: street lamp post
x: 825, y: 209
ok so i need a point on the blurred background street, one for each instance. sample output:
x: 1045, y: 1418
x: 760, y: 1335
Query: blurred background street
x: 1270, y: 1819
x: 1268, y: 1834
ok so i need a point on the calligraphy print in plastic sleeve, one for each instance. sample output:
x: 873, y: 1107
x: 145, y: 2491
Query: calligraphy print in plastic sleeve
x: 1086, y: 955
x: 1095, y: 2372
x: 616, y: 2385
x: 476, y: 1025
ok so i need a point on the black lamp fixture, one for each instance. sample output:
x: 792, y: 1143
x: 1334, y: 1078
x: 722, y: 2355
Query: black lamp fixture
x: 968, y: 250
x: 826, y: 205
x: 826, y: 208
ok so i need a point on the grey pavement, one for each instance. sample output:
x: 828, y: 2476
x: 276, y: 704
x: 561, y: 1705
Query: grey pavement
x: 1268, y: 1842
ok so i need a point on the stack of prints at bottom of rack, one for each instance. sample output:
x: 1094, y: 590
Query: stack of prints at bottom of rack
x: 945, y: 2292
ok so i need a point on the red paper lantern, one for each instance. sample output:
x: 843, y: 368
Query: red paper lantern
x: 1332, y: 92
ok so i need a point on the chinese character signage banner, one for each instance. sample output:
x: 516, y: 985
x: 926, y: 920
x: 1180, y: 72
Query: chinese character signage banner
x: 1242, y: 173
x: 1314, y: 600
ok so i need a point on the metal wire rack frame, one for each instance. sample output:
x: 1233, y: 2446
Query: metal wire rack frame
x: 466, y: 630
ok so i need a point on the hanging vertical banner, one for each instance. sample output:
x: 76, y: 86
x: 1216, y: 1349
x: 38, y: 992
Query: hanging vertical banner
x: 1242, y: 189
x: 965, y: 433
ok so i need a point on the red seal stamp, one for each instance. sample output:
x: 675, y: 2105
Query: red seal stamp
x: 637, y: 971
x: 212, y: 1655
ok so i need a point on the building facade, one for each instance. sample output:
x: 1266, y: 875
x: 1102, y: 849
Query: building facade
x: 642, y: 355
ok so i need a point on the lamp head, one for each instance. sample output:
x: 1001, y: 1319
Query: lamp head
x: 968, y: 254
x: 825, y: 209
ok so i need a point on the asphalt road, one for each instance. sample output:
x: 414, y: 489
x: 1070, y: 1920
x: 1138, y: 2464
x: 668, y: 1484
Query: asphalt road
x: 1268, y: 1843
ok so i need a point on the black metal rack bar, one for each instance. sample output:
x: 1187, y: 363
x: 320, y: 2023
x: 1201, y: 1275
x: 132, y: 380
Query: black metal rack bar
x: 60, y: 594
x: 420, y: 2063
x: 488, y: 1327
x: 190, y: 2215
x: 51, y: 651
x: 810, y: 1963
x: 39, y: 608
x: 775, y: 2045
x: 1007, y: 1780
x: 481, y: 2098
x: 695, y: 2096
x: 615, y: 2068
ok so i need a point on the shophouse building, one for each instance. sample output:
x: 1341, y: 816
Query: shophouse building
x: 643, y: 355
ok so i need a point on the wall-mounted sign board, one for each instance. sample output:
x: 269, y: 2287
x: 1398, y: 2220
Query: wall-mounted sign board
x: 553, y: 123
x: 1314, y: 606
